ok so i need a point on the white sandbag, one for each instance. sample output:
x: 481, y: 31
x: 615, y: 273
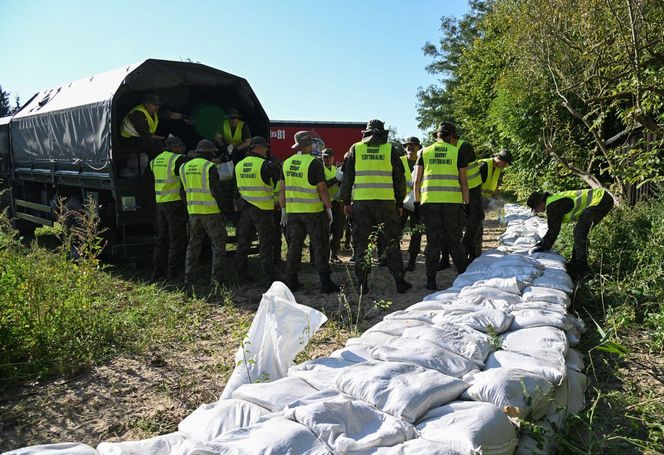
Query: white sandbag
x: 515, y: 260
x: 477, y: 303
x: 573, y: 337
x: 280, y: 330
x: 432, y: 304
x: 468, y: 279
x: 458, y: 338
x: 322, y: 373
x: 423, y: 316
x: 539, y: 318
x: 211, y: 420
x: 346, y: 425
x: 551, y: 368
x: 403, y: 390
x: 544, y: 306
x: 540, y: 294
x: 525, y: 274
x: 488, y: 292
x: 555, y: 279
x: 373, y: 338
x: 274, y: 395
x: 577, y: 384
x: 578, y: 323
x: 511, y: 285
x: 574, y: 360
x: 426, y: 354
x: 417, y: 446
x: 445, y: 294
x: 470, y: 427
x: 396, y: 327
x: 273, y: 435
x: 536, y: 341
x: 482, y: 320
x: 527, y: 393
x: 63, y: 448
x: 356, y: 353
x: 166, y: 444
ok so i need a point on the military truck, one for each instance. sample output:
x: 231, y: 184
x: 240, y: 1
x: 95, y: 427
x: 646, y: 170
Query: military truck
x: 64, y: 143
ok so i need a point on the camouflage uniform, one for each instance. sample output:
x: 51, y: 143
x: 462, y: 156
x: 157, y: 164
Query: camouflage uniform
x: 443, y: 225
x: 171, y: 238
x: 472, y: 237
x: 252, y: 220
x: 316, y: 225
x: 215, y: 227
x: 337, y: 228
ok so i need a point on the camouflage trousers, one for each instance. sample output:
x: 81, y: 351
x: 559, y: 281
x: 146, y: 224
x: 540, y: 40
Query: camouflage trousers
x: 253, y: 220
x: 588, y: 218
x: 472, y: 238
x: 370, y: 217
x: 169, y: 249
x: 317, y: 226
x: 443, y: 226
x: 337, y: 228
x: 214, y: 226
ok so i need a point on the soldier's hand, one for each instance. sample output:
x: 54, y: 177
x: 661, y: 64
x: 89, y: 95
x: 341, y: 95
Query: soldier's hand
x: 284, y: 218
x: 400, y: 211
x: 348, y: 210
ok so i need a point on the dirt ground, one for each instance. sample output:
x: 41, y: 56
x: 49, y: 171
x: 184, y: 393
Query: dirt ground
x: 144, y: 395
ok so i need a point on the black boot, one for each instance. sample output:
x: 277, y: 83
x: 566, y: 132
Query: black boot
x: 292, y: 282
x: 442, y: 265
x: 326, y: 284
x: 402, y: 285
x: 411, y: 263
x: 431, y: 283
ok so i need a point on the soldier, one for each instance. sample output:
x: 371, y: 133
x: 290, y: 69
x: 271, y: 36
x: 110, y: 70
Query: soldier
x: 374, y: 181
x: 412, y: 146
x: 306, y: 209
x: 233, y: 134
x: 441, y: 187
x: 171, y: 212
x: 255, y: 202
x: 338, y: 217
x: 200, y: 184
x: 586, y: 207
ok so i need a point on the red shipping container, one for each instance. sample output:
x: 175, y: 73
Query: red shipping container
x: 338, y: 136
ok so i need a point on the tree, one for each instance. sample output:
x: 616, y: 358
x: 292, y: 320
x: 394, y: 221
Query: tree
x: 5, y: 108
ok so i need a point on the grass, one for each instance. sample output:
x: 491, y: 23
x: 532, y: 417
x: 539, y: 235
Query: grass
x: 623, y: 306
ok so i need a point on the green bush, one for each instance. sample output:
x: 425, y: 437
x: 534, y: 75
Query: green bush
x: 58, y: 316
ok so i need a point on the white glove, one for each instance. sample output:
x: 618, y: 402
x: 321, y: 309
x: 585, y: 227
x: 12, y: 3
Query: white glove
x: 329, y: 215
x: 339, y: 175
x: 230, y: 148
x: 284, y: 218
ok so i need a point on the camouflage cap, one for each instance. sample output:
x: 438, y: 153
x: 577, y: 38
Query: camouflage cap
x: 206, y: 146
x: 302, y: 139
x: 173, y: 141
x: 445, y: 128
x: 504, y: 155
x: 258, y: 141
x: 412, y: 140
x: 375, y: 126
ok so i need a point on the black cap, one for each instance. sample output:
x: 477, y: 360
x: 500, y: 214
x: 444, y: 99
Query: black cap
x: 375, y: 126
x: 233, y: 113
x: 258, y: 141
x: 445, y: 129
x: 535, y: 199
x: 328, y: 152
x: 504, y: 155
x: 412, y: 140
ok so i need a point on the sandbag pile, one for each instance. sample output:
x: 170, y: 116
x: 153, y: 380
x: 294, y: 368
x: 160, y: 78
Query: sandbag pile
x: 453, y: 374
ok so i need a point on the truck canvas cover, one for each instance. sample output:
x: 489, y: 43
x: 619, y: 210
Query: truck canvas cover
x: 78, y: 121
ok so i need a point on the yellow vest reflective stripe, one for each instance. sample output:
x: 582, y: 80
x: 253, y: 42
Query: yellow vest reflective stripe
x: 236, y: 137
x: 473, y: 175
x: 166, y: 183
x: 195, y: 179
x: 127, y: 128
x: 373, y: 172
x: 582, y: 200
x: 407, y: 171
x: 330, y: 174
x: 251, y: 186
x: 492, y: 176
x: 301, y: 196
x: 440, y: 181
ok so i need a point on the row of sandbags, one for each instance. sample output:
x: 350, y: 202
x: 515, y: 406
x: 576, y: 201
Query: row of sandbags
x: 452, y: 374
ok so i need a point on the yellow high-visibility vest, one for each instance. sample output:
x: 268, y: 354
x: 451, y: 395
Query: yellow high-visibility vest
x: 582, y: 200
x: 301, y: 196
x: 236, y: 137
x: 440, y: 181
x: 492, y: 176
x: 127, y: 128
x: 373, y: 172
x: 195, y: 180
x: 331, y: 173
x: 166, y: 183
x: 251, y: 186
x: 407, y: 171
x: 473, y: 175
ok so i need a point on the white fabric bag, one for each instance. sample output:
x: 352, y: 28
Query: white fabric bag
x: 211, y: 420
x: 458, y: 338
x: 64, y: 448
x: 416, y: 446
x: 400, y: 389
x: 551, y: 368
x: 533, y: 317
x: 166, y: 444
x: 280, y: 330
x: 541, y: 341
x: 482, y: 320
x: 541, y: 294
x: 322, y: 373
x: 274, y: 395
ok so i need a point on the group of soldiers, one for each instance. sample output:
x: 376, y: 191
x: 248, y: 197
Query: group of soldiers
x: 307, y: 196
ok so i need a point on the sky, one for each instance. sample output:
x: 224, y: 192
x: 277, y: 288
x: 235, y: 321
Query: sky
x: 310, y: 60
